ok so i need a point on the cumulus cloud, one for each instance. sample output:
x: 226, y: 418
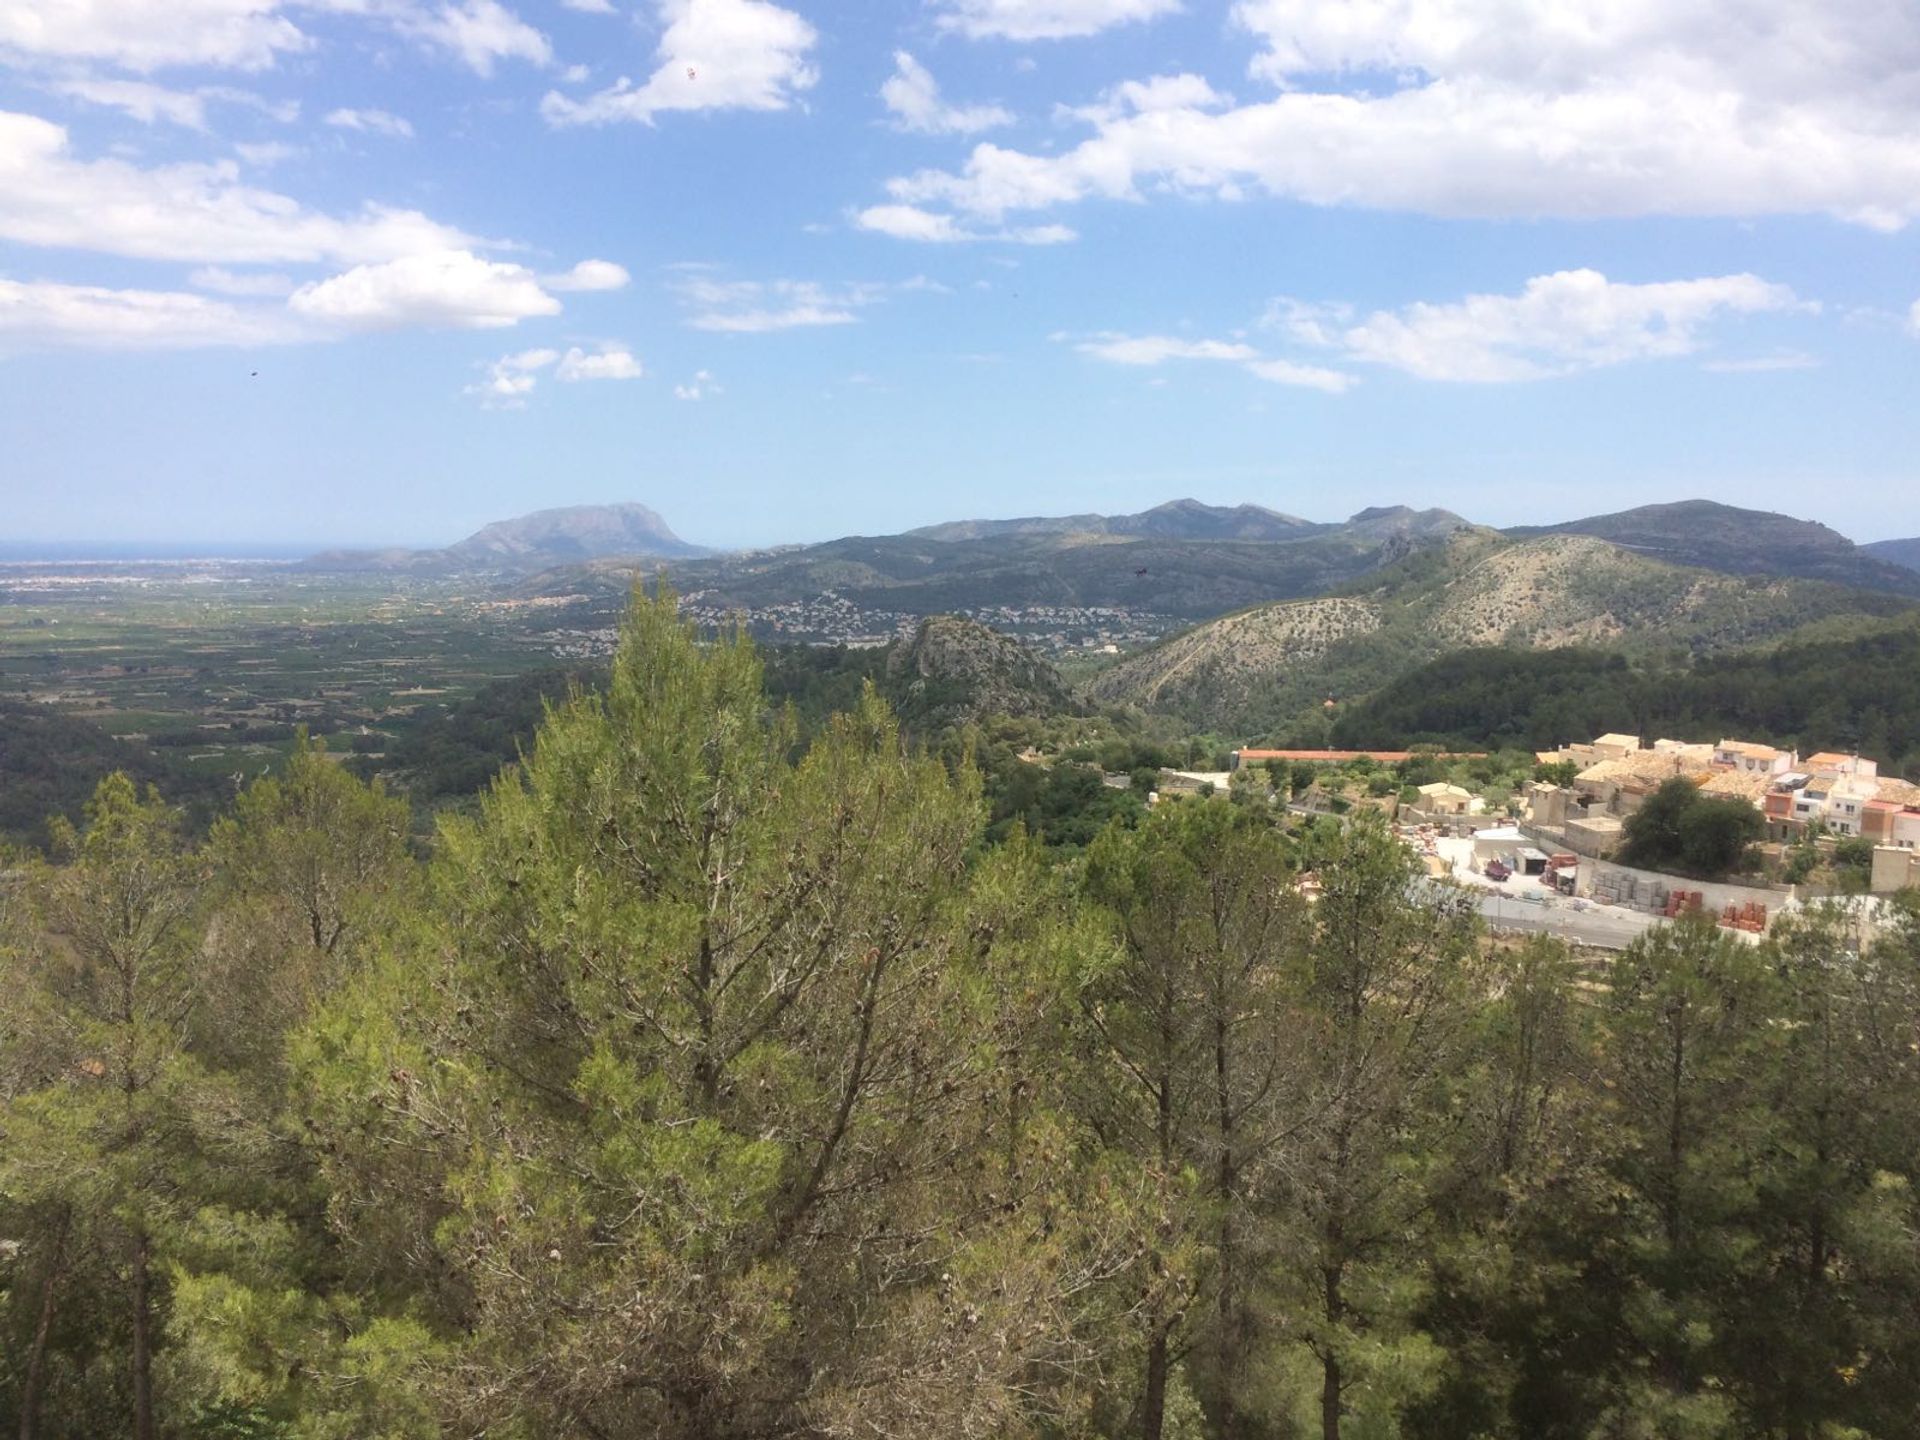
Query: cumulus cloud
x: 714, y: 55
x: 478, y: 33
x: 150, y: 34
x: 41, y: 315
x: 374, y: 122
x: 1151, y: 350
x: 748, y: 307
x: 913, y: 95
x: 1045, y: 19
x: 589, y: 275
x: 1484, y: 108
x: 1557, y: 325
x: 911, y: 222
x: 511, y: 378
x: 612, y: 362
x: 194, y: 213
x: 444, y: 289
x: 701, y: 386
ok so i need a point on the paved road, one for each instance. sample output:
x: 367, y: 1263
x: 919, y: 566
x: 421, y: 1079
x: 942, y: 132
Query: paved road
x: 1606, y: 927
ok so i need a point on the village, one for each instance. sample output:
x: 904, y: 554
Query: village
x: 1545, y: 856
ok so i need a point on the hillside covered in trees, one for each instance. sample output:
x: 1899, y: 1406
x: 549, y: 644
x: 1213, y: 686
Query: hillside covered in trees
x: 1860, y: 693
x: 716, y: 1080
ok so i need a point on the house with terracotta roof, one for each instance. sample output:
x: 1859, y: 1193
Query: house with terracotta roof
x: 1755, y: 759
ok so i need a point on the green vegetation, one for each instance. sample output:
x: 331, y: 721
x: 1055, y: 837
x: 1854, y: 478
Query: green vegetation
x: 720, y: 1077
x: 51, y: 762
x: 1271, y: 670
x: 1677, y: 829
x: 1849, y: 692
x: 1743, y: 542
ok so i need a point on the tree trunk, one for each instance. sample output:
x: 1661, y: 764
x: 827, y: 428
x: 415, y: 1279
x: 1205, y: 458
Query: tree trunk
x: 1153, y: 1403
x: 1329, y: 1397
x: 1227, y: 1182
x: 1331, y: 1381
x: 36, y: 1375
x: 142, y: 1342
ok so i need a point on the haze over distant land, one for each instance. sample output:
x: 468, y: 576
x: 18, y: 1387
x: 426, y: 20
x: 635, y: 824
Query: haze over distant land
x: 364, y: 275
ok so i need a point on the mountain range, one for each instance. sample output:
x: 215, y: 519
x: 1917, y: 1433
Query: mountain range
x: 1130, y: 562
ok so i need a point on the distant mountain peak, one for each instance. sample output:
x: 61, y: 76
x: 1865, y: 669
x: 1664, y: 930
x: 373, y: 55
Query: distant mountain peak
x: 576, y: 532
x: 544, y: 539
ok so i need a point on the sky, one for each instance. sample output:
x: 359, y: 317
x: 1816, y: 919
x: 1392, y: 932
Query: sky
x: 326, y: 272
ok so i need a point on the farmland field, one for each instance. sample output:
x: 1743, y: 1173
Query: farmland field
x: 215, y: 663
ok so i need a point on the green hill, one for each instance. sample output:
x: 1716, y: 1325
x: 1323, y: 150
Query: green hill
x: 1741, y: 542
x: 1272, y: 668
x: 1859, y: 694
x: 1898, y: 552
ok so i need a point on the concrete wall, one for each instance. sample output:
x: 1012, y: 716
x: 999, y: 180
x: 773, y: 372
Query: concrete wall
x: 1894, y: 869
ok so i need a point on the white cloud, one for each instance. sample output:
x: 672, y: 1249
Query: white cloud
x: 911, y: 222
x: 478, y: 33
x: 264, y: 154
x: 145, y: 35
x: 144, y: 101
x: 448, y: 288
x: 1311, y: 377
x: 150, y: 103
x: 714, y: 55
x: 1148, y: 350
x: 194, y: 213
x: 590, y: 7
x: 701, y: 386
x: 250, y: 287
x: 589, y: 275
x: 1488, y: 108
x: 913, y: 96
x: 1557, y: 325
x: 42, y: 315
x: 1046, y: 19
x: 1156, y: 349
x: 1913, y: 318
x: 511, y: 378
x: 746, y: 307
x: 376, y: 122
x: 612, y: 363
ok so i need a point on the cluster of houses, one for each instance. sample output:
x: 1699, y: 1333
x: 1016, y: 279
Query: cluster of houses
x: 1845, y: 795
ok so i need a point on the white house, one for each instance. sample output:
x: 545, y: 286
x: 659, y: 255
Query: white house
x: 1753, y: 759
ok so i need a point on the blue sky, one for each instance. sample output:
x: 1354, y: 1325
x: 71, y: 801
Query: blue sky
x: 790, y: 271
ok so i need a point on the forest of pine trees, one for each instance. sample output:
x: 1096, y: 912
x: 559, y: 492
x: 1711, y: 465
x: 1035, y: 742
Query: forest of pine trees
x: 712, y: 1082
